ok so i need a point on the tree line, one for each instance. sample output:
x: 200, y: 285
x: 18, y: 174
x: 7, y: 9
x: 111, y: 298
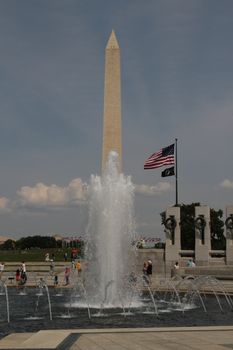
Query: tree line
x: 41, y: 242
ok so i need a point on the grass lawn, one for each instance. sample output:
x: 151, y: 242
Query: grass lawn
x: 33, y: 254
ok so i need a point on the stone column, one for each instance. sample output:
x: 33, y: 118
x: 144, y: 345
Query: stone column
x: 202, y: 235
x: 229, y: 235
x: 172, y: 230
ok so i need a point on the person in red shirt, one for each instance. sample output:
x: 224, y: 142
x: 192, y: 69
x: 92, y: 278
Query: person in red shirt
x: 67, y: 276
x: 17, y: 277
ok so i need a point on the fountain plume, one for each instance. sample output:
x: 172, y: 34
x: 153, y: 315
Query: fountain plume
x: 110, y: 233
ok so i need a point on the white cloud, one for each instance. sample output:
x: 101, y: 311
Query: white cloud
x: 227, y: 184
x: 42, y: 195
x: 75, y: 193
x: 4, y: 205
x: 156, y: 190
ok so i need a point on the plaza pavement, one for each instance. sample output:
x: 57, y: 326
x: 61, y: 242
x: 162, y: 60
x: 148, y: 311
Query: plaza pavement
x: 193, y: 338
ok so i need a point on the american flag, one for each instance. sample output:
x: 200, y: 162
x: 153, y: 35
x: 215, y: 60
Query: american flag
x: 164, y: 156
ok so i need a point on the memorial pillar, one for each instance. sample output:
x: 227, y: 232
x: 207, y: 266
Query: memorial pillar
x: 229, y: 235
x: 172, y: 231
x: 202, y: 235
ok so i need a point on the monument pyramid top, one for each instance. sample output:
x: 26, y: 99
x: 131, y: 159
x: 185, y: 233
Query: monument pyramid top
x: 112, y: 42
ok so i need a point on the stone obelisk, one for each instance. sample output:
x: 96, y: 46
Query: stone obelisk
x: 112, y: 102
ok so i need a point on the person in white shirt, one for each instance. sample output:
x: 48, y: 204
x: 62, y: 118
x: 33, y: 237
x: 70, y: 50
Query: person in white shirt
x: 175, y: 269
x: 193, y: 264
x: 23, y: 267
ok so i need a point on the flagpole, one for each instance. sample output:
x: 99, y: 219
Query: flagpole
x: 176, y: 177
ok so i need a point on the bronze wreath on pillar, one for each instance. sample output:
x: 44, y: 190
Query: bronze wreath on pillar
x: 200, y: 222
x: 229, y: 222
x: 170, y: 223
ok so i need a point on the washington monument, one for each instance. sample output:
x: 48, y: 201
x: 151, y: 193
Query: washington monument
x: 112, y: 102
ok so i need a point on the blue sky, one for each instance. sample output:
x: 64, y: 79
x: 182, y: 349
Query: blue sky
x: 177, y: 81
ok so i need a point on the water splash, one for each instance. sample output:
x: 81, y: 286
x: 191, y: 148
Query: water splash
x: 4, y: 290
x: 110, y: 233
x: 42, y: 285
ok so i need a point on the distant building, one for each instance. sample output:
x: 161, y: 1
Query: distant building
x: 72, y: 241
x: 58, y: 237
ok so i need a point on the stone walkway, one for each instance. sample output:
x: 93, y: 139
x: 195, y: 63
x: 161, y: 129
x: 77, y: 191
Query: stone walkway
x: 193, y: 338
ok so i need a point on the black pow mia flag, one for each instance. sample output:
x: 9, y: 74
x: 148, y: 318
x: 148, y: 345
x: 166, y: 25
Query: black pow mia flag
x: 168, y: 172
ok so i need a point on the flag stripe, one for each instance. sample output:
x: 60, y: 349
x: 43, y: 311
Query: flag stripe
x: 164, y: 156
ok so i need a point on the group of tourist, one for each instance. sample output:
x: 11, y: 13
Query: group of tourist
x: 190, y: 263
x: 75, y: 265
x: 176, y: 266
x: 141, y: 244
x: 21, y: 275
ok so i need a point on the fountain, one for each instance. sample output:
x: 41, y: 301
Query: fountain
x: 174, y: 302
x: 110, y: 234
x: 4, y: 291
x: 108, y: 292
x: 43, y: 286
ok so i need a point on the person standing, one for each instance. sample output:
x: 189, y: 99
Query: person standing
x: 52, y: 266
x: 175, y: 269
x: 73, y: 264
x: 47, y: 257
x: 67, y: 276
x: 191, y: 263
x: 23, y: 275
x: 55, y: 281
x: 79, y: 267
x: 23, y: 267
x: 149, y: 270
x: 144, y: 269
x: 17, y: 277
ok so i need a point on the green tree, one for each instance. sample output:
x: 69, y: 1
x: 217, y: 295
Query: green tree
x: 187, y: 216
x: 9, y: 244
x: 59, y: 243
x: 36, y: 242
